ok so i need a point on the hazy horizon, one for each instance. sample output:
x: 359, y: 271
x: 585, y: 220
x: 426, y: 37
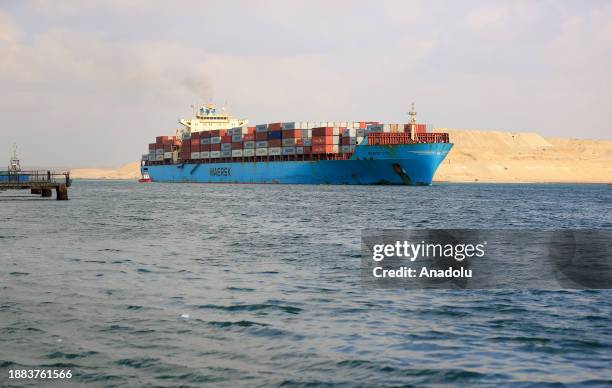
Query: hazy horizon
x: 91, y: 83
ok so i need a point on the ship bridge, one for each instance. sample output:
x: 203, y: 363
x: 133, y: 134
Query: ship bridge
x: 207, y: 119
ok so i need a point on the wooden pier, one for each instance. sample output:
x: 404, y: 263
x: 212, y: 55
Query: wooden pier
x: 38, y: 182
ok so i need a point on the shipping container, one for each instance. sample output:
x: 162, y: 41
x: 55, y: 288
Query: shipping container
x: 275, y: 126
x: 261, y: 152
x: 261, y: 144
x: 325, y: 131
x: 249, y: 145
x: 274, y: 135
x: 236, y: 153
x: 226, y: 153
x: 204, y: 155
x: 152, y: 146
x: 215, y: 147
x: 289, y: 125
x: 167, y: 147
x: 159, y: 158
x: 307, y: 142
x: 226, y: 146
x: 274, y: 151
x: 299, y: 150
x: 248, y: 152
x: 288, y: 142
x: 237, y: 145
x: 205, y: 140
x: 215, y: 140
x: 195, y: 155
x: 325, y: 149
x: 215, y: 154
x: 261, y: 136
x: 288, y: 151
x: 261, y: 128
x: 226, y: 139
x: 274, y: 143
x: 204, y: 147
x: 236, y: 138
x: 167, y: 155
x: 248, y: 137
x: 320, y: 140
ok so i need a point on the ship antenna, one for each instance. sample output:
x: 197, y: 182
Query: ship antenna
x: 412, y: 114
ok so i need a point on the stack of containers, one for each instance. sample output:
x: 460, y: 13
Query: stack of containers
x: 275, y: 136
x: 261, y: 140
x: 216, y: 137
x: 237, y: 137
x: 248, y: 142
x: 325, y: 140
x: 205, y: 145
x: 195, y: 145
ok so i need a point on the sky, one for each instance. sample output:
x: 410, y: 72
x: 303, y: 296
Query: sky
x: 91, y: 83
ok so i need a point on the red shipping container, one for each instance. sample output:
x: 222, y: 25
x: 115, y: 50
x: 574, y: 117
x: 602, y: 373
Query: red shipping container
x: 319, y: 140
x: 195, y: 135
x: 167, y: 147
x: 307, y: 150
x: 218, y: 132
x: 274, y: 143
x: 322, y: 131
x: 195, y: 148
x: 299, y: 142
x: 152, y: 146
x: 344, y: 140
x: 250, y: 130
x: 159, y: 140
x: 261, y: 135
x: 215, y: 147
x: 226, y: 139
x: 275, y: 126
x: 205, y: 134
x: 248, y: 137
x: 322, y: 149
x: 237, y: 145
x: 186, y: 146
x: 185, y: 155
x: 292, y: 134
x: 204, y: 147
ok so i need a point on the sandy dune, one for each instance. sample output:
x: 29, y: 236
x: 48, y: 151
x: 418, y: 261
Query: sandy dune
x: 487, y: 156
x: 492, y: 156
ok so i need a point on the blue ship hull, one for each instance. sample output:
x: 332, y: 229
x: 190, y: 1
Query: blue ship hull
x: 405, y: 164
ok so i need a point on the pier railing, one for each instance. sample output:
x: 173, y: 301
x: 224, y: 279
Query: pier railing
x: 42, y: 178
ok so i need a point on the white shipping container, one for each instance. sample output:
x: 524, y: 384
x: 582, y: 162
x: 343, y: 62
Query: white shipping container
x: 159, y: 158
x: 204, y: 155
x: 248, y: 144
x: 226, y: 153
x: 195, y: 155
x: 386, y: 127
x: 290, y: 125
x: 261, y: 152
x: 159, y: 151
x: 226, y: 146
x: 261, y: 128
x: 349, y: 132
x: 215, y: 154
x: 288, y: 151
x: 288, y: 142
x: 237, y: 131
x: 299, y: 150
x: 205, y: 140
x: 308, y: 142
x: 236, y: 153
x: 273, y: 151
x: 249, y: 152
x: 167, y: 155
x: 215, y: 140
x: 261, y: 144
x: 360, y: 132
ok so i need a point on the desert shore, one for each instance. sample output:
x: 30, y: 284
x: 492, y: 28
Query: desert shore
x: 486, y: 156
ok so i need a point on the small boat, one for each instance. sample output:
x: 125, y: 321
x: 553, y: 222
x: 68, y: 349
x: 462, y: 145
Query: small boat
x: 145, y: 178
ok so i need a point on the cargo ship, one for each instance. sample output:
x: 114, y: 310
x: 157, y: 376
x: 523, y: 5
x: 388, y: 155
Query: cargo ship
x: 213, y: 147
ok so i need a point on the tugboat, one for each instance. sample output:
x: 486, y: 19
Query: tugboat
x: 145, y: 178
